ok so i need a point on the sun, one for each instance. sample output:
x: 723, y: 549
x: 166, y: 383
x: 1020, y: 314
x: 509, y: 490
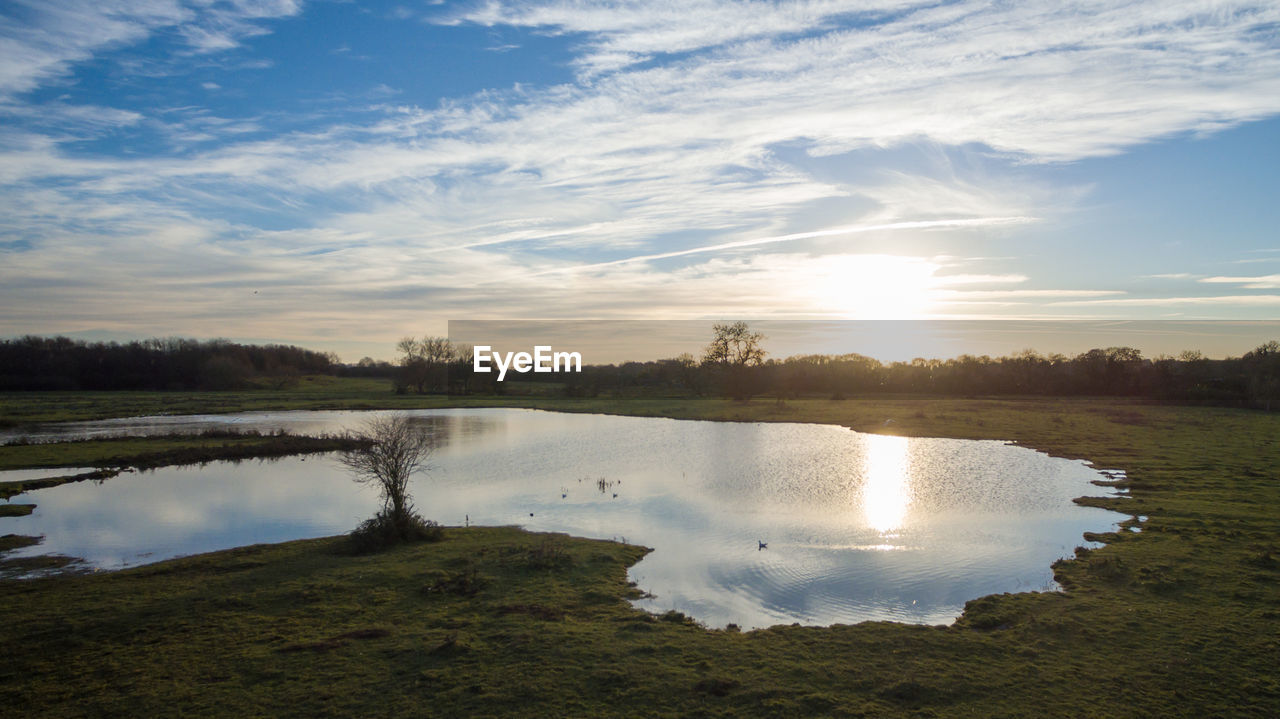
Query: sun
x: 876, y: 287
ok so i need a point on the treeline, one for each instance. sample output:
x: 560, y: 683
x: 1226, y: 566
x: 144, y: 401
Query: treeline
x: 734, y: 366
x: 368, y: 367
x: 171, y: 363
x: 1253, y: 379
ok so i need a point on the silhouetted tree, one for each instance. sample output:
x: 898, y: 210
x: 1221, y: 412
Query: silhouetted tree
x: 735, y: 344
x: 425, y: 363
x: 688, y: 375
x: 394, y: 450
x: 224, y: 372
x: 1263, y: 365
x: 59, y: 363
x: 735, y: 353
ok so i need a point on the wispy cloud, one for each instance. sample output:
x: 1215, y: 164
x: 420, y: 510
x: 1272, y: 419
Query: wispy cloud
x: 1068, y: 80
x: 1264, y: 282
x: 621, y: 34
x: 974, y: 295
x: 40, y: 41
x: 689, y: 147
x: 795, y: 236
x: 1217, y: 300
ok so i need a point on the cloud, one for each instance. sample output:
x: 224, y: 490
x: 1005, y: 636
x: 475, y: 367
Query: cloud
x: 976, y: 295
x: 830, y: 232
x: 41, y: 41
x: 1265, y: 282
x: 1240, y: 300
x: 697, y: 139
x: 621, y: 34
x: 1044, y: 80
x: 61, y: 120
x: 221, y: 27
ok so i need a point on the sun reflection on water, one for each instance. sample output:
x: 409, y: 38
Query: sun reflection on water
x: 858, y: 527
x: 886, y: 491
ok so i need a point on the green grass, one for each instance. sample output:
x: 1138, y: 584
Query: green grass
x: 312, y: 392
x: 19, y: 409
x: 115, y: 454
x: 16, y: 487
x: 16, y: 541
x: 1178, y: 620
x: 150, y: 452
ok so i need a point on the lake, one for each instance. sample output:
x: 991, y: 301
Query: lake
x: 857, y: 526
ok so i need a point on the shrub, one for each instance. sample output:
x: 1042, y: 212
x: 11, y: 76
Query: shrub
x: 384, y: 530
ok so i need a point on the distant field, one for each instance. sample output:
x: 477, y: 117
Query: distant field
x: 311, y: 392
x: 326, y: 392
x: 1178, y: 620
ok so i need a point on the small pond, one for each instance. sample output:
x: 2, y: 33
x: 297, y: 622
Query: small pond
x: 857, y: 526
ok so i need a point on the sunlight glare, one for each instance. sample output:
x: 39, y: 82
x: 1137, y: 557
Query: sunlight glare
x: 880, y: 287
x: 886, y: 491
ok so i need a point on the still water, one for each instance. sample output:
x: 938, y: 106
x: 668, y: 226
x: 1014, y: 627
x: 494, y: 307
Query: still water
x: 857, y: 526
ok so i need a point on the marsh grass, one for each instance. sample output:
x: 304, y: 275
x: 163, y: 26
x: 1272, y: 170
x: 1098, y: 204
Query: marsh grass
x: 21, y: 409
x: 548, y: 553
x: 41, y: 565
x: 385, y: 530
x: 128, y: 453
x: 168, y: 449
x: 10, y: 489
x: 17, y: 541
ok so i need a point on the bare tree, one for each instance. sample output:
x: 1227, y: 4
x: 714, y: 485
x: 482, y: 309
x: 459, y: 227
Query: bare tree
x: 424, y: 363
x: 736, y: 354
x: 394, y: 452
x: 734, y: 345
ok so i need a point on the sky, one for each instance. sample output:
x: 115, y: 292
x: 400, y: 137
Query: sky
x: 339, y: 175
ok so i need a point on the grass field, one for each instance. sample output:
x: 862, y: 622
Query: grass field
x: 163, y: 450
x: 311, y: 392
x: 1181, y: 619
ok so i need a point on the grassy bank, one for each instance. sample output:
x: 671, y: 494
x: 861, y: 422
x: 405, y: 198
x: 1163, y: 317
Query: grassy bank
x: 165, y: 450
x: 312, y: 392
x: 115, y: 454
x: 19, y: 409
x: 1178, y: 620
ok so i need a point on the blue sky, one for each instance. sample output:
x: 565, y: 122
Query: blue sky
x: 339, y: 174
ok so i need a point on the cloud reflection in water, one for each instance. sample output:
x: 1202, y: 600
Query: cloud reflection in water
x: 962, y: 518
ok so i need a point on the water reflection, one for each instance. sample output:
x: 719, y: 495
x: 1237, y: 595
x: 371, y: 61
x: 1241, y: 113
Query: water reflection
x: 886, y: 491
x: 963, y: 518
